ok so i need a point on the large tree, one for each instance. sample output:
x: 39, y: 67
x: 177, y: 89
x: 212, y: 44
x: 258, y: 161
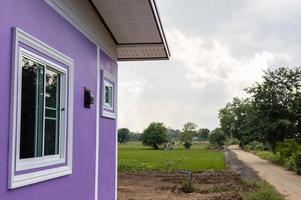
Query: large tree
x: 271, y: 113
x: 190, y: 127
x: 277, y: 101
x: 154, y: 135
x: 238, y: 120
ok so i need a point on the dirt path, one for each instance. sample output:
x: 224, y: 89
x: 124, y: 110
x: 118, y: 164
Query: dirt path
x: 286, y: 182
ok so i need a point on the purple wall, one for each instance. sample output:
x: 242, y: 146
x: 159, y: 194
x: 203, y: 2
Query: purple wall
x: 40, y: 20
x: 107, y: 141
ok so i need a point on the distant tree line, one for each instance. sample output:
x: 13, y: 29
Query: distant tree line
x: 157, y: 136
x: 124, y: 135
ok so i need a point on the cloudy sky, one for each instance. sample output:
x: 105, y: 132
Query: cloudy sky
x: 218, y: 48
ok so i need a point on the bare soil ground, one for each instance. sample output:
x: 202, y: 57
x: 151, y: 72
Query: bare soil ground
x: 209, y: 185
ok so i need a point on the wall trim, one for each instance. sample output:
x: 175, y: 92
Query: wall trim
x: 96, y: 189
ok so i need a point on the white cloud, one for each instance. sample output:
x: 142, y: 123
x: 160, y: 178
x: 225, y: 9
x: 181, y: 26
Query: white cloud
x: 216, y: 64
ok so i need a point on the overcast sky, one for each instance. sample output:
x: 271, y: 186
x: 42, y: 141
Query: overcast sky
x: 218, y: 48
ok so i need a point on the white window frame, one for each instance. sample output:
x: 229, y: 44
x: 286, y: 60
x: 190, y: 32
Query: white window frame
x: 64, y: 158
x: 109, y: 80
x: 108, y: 105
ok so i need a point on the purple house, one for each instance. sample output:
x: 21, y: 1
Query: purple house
x: 58, y: 89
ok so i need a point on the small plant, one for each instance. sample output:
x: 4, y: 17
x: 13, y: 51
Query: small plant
x: 187, y: 185
x: 188, y: 188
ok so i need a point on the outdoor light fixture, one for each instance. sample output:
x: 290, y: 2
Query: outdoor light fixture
x: 89, y: 98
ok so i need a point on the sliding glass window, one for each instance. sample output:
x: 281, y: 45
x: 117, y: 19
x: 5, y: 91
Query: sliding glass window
x: 40, y: 109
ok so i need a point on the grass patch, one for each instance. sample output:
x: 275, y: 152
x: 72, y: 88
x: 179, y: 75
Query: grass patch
x: 269, y: 155
x: 133, y: 156
x: 263, y: 191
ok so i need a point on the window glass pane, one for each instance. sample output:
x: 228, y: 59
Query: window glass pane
x: 32, y: 100
x: 50, y: 137
x: 107, y: 94
x: 52, y: 112
x: 111, y: 96
x: 51, y: 88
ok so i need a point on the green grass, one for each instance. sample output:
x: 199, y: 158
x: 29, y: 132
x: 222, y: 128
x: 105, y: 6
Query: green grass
x: 268, y: 155
x: 133, y: 156
x: 263, y: 191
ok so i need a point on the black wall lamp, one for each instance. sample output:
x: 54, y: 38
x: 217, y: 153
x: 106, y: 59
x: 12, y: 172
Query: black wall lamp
x: 89, y: 98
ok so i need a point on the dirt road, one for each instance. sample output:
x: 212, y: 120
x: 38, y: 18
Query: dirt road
x: 286, y: 182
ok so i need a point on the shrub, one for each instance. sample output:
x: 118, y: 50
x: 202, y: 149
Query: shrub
x: 254, y: 146
x: 217, y: 138
x: 259, y: 147
x: 289, y: 163
x: 298, y: 163
x: 234, y: 141
x: 287, y: 148
x: 187, y: 145
x: 186, y: 138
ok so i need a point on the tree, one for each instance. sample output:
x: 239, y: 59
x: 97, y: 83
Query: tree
x: 217, y: 138
x: 189, y: 129
x: 154, y: 135
x: 277, y: 101
x: 204, y: 134
x: 238, y: 120
x: 175, y: 135
x: 271, y: 114
x: 123, y: 135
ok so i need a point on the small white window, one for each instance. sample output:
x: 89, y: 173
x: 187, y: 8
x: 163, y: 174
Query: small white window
x: 42, y: 113
x: 109, y: 95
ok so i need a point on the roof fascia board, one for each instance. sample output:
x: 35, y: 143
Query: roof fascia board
x: 159, y: 24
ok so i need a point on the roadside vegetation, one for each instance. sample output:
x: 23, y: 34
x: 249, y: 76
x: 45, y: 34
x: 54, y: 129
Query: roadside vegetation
x: 263, y: 191
x: 268, y: 122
